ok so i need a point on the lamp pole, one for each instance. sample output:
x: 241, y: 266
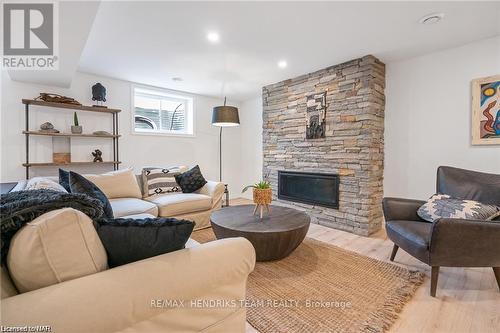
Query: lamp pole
x: 224, y: 116
x: 220, y: 147
x: 220, y: 154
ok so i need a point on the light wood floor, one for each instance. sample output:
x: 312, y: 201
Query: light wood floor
x: 468, y: 299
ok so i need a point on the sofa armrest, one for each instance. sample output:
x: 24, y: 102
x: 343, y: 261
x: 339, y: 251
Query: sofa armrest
x: 213, y: 189
x: 21, y: 185
x: 465, y: 243
x: 136, y: 296
x: 401, y: 209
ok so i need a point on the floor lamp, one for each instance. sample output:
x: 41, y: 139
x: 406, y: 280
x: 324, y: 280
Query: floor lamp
x: 224, y: 116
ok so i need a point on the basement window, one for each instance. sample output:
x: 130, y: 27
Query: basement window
x: 162, y: 112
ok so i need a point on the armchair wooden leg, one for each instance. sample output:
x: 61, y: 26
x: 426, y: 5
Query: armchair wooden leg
x: 496, y: 270
x: 434, y: 279
x: 394, y: 250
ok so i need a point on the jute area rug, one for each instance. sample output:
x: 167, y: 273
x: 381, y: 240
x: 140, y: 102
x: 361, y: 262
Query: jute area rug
x: 323, y: 288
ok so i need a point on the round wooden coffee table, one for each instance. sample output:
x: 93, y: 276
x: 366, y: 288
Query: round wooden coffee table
x: 274, y: 236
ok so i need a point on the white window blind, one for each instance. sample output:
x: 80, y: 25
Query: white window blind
x: 161, y: 112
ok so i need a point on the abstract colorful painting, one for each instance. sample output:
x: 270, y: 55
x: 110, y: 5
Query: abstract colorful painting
x: 486, y: 110
x: 316, y: 116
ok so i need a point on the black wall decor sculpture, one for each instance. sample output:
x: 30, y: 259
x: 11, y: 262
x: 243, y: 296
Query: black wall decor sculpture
x: 99, y: 94
x: 316, y: 116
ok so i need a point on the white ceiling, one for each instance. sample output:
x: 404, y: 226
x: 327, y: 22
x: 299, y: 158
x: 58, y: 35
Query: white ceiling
x: 151, y: 42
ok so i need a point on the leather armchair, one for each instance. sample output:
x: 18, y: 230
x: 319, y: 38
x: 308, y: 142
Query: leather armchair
x: 448, y: 242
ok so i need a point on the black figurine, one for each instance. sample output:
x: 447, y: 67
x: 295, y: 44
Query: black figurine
x: 97, y: 155
x: 99, y: 94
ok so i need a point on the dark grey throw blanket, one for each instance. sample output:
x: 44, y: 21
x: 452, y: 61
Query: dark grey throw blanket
x: 19, y: 208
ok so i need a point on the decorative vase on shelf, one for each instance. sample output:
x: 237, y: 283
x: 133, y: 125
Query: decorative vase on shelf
x: 76, y: 128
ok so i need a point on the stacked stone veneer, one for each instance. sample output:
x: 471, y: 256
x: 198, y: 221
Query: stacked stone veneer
x: 353, y: 146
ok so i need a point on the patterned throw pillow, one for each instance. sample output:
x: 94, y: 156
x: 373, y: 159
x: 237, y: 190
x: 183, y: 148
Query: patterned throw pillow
x: 191, y: 181
x: 160, y: 180
x: 442, y: 205
x: 42, y: 183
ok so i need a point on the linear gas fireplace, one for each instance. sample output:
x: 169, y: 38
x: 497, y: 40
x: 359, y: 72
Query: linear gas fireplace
x: 311, y: 188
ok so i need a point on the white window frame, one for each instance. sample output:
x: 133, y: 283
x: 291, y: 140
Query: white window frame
x: 190, y: 115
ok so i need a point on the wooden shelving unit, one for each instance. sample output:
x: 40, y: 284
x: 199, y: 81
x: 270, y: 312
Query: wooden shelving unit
x: 27, y: 132
x: 72, y: 135
x: 69, y: 106
x: 72, y: 163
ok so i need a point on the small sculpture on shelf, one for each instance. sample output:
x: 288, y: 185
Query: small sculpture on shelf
x: 47, y: 127
x: 97, y: 155
x: 76, y: 128
x: 99, y: 95
x: 55, y: 98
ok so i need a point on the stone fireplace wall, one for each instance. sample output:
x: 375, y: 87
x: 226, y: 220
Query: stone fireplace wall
x: 353, y: 146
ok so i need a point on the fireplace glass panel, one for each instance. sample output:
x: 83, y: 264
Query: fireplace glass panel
x: 311, y: 188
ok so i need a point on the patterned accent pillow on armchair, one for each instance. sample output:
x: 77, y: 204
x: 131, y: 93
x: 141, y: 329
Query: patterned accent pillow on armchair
x: 442, y: 205
x: 160, y: 180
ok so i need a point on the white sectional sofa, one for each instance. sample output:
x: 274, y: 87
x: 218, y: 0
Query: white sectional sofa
x: 129, y: 298
x: 126, y: 195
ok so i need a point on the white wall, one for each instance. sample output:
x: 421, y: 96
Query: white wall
x: 135, y: 150
x: 428, y: 117
x: 251, y: 138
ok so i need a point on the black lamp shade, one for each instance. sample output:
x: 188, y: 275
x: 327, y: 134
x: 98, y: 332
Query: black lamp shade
x: 224, y: 116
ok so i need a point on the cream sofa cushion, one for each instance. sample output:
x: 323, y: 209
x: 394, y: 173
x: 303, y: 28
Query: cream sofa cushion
x: 117, y: 184
x: 132, y: 206
x: 6, y: 286
x: 139, y: 216
x: 180, y: 203
x: 58, y: 246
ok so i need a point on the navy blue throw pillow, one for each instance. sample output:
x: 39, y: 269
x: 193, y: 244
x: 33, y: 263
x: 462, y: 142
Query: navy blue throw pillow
x: 80, y: 184
x: 127, y: 240
x: 191, y: 180
x: 64, y: 179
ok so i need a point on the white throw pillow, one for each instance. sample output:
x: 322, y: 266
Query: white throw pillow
x: 117, y: 184
x: 57, y: 246
x: 39, y: 183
